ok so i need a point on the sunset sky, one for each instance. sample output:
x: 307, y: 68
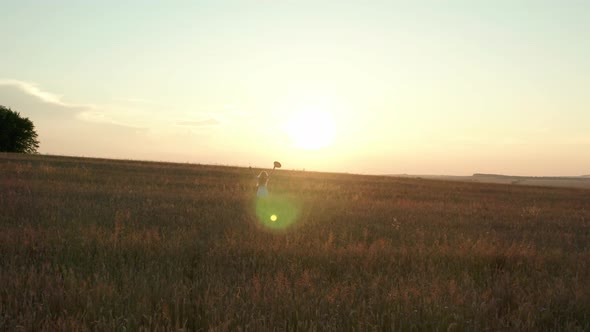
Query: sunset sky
x: 375, y: 87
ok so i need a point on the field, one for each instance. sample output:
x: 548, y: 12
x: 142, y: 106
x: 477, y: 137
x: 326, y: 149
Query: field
x: 91, y: 244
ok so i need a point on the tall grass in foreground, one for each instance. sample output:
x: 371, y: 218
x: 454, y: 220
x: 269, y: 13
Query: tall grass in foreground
x: 89, y: 244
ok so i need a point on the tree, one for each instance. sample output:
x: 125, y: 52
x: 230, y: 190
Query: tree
x: 17, y: 134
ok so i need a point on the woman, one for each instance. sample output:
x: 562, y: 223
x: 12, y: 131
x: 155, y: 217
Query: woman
x: 262, y: 183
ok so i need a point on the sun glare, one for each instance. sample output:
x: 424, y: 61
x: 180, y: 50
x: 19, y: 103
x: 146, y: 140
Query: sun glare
x: 311, y: 129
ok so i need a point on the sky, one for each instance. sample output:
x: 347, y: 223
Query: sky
x: 371, y: 87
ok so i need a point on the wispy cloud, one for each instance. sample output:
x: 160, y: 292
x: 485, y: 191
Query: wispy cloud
x: 105, y: 114
x: 136, y: 113
x: 105, y: 118
x: 48, y: 97
x: 134, y: 101
x: 199, y: 123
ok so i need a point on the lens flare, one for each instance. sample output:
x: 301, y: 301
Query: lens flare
x: 276, y: 212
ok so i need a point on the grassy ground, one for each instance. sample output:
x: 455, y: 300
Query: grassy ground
x: 115, y: 245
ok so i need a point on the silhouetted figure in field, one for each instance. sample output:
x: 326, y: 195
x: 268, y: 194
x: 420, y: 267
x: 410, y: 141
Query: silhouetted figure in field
x: 263, y: 178
x: 262, y: 184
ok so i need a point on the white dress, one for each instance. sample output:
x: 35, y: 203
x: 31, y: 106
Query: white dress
x: 262, y: 191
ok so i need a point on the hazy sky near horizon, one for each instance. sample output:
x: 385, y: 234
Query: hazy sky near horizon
x: 420, y: 87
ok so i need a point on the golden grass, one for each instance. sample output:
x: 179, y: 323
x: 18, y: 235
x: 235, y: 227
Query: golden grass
x: 91, y: 244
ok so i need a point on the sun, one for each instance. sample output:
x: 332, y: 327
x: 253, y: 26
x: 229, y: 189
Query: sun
x: 311, y: 129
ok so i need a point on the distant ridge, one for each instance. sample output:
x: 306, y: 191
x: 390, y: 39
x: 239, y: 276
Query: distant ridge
x: 582, y: 181
x: 517, y: 177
